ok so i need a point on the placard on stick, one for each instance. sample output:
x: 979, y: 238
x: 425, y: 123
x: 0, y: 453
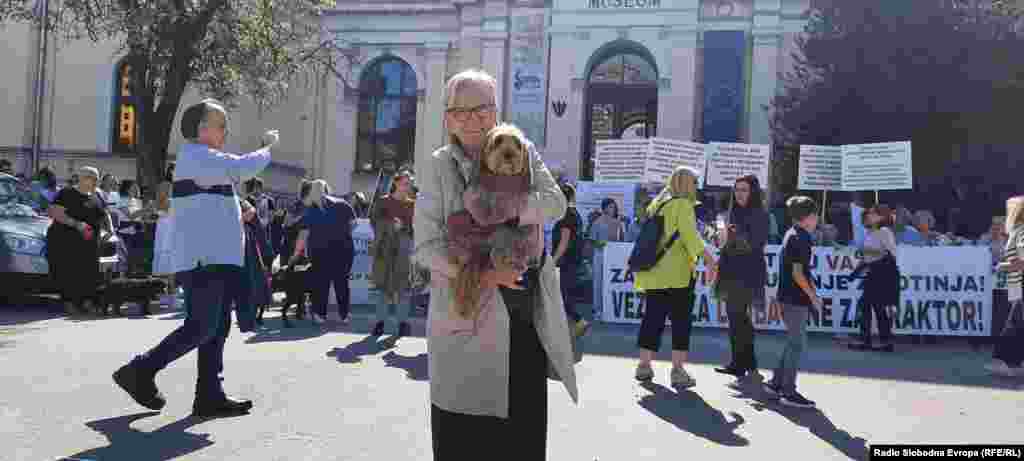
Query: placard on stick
x: 879, y: 166
x: 730, y: 161
x: 619, y: 160
x: 821, y: 168
x: 667, y: 154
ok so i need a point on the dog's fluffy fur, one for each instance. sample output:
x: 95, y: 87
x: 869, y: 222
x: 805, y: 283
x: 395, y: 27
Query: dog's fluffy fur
x: 296, y: 283
x: 117, y: 292
x: 481, y: 236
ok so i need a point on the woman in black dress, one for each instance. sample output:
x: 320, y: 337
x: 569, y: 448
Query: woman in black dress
x: 73, y: 241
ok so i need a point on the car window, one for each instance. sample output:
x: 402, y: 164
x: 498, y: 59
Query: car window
x: 18, y: 199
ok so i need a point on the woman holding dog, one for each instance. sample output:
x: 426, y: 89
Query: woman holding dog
x: 73, y: 241
x: 488, y: 372
x: 392, y: 249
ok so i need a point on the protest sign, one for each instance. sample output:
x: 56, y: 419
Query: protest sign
x: 945, y: 291
x: 618, y: 160
x: 729, y: 161
x: 881, y: 166
x: 359, y: 280
x: 590, y: 194
x: 667, y: 154
x: 821, y: 168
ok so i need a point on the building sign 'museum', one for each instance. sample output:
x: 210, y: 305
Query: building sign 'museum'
x: 606, y: 4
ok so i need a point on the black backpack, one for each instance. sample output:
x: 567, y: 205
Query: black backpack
x: 645, y: 253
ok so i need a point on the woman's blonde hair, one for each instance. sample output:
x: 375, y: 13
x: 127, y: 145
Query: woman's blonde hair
x: 1014, y: 212
x: 317, y: 190
x: 682, y: 184
x: 466, y: 78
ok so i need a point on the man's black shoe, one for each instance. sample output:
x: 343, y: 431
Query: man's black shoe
x: 219, y: 408
x: 140, y: 386
x: 731, y: 370
x: 404, y: 329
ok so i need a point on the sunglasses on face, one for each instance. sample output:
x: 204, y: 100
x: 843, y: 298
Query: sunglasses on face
x: 480, y: 112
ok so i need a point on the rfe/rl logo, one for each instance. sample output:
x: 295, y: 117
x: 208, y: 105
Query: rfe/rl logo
x: 559, y: 108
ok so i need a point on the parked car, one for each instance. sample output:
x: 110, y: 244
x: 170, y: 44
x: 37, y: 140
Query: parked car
x: 23, y: 223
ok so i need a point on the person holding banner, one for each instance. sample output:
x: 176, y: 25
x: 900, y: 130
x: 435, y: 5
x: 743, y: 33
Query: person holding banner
x: 669, y: 286
x: 882, y: 279
x: 489, y: 369
x: 1008, y: 358
x: 743, y: 271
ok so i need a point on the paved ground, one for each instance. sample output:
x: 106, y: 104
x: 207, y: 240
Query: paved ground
x: 335, y: 394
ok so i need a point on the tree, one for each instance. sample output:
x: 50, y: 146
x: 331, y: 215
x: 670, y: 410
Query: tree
x: 224, y: 48
x: 941, y: 73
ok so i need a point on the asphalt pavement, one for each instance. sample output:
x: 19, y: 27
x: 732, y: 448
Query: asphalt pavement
x: 334, y: 393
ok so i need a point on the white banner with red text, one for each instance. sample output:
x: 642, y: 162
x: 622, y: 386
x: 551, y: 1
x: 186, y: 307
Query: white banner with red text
x: 947, y: 291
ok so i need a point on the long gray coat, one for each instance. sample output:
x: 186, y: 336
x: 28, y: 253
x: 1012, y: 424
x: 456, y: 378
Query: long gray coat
x: 469, y: 359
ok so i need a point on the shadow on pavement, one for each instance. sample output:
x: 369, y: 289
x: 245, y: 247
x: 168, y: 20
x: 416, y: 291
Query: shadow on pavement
x: 812, y: 418
x: 277, y: 333
x: 689, y: 412
x: 353, y: 353
x: 415, y: 367
x: 168, y: 442
x: 951, y: 364
x: 26, y: 310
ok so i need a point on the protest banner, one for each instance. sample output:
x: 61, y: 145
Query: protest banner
x: 590, y: 194
x: 821, y: 168
x: 359, y: 280
x: 667, y: 154
x: 729, y: 161
x: 946, y: 291
x: 880, y: 166
x: 619, y: 160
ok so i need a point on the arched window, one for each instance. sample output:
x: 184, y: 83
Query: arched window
x: 621, y: 97
x: 387, y: 116
x: 125, y: 132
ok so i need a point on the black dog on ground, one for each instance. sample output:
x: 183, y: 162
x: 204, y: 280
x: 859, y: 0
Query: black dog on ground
x: 115, y: 293
x: 296, y: 282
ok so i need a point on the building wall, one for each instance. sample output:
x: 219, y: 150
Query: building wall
x: 318, y: 121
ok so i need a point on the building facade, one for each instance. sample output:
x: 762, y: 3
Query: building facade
x: 570, y: 72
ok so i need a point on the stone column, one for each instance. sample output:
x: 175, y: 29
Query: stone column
x: 433, y: 99
x: 767, y: 35
x: 337, y: 161
x: 677, y: 88
x: 495, y: 46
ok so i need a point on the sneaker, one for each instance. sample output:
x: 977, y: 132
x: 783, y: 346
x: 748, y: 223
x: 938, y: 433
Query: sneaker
x: 730, y: 370
x: 796, y: 400
x: 772, y: 389
x: 644, y: 373
x: 1000, y: 368
x: 581, y: 328
x: 681, y: 379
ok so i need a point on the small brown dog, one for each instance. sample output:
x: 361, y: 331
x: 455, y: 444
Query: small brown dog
x: 486, y: 234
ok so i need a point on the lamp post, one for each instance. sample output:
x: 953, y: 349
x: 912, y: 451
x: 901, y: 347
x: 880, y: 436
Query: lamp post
x: 42, y: 10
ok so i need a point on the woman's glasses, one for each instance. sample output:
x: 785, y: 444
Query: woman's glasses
x: 480, y: 112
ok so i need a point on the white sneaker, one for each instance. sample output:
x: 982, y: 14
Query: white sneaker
x: 644, y: 373
x: 681, y: 379
x: 1000, y: 368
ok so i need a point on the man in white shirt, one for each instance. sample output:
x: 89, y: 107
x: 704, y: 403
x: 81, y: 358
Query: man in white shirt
x: 209, y: 249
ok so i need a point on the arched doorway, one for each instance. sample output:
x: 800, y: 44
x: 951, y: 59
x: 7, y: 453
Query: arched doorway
x: 621, y: 98
x: 386, y: 131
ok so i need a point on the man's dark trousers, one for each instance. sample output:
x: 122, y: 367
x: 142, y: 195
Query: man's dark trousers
x: 208, y: 298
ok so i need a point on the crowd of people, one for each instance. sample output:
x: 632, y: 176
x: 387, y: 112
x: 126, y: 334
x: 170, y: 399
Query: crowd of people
x: 488, y: 370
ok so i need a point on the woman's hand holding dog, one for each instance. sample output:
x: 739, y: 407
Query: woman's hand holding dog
x: 502, y: 210
x: 508, y: 278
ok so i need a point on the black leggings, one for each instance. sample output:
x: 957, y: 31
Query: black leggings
x: 675, y: 303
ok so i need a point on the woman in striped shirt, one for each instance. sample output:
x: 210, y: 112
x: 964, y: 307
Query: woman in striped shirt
x: 1009, y: 353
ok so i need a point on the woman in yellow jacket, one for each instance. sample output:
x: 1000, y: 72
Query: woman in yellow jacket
x: 668, y: 286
